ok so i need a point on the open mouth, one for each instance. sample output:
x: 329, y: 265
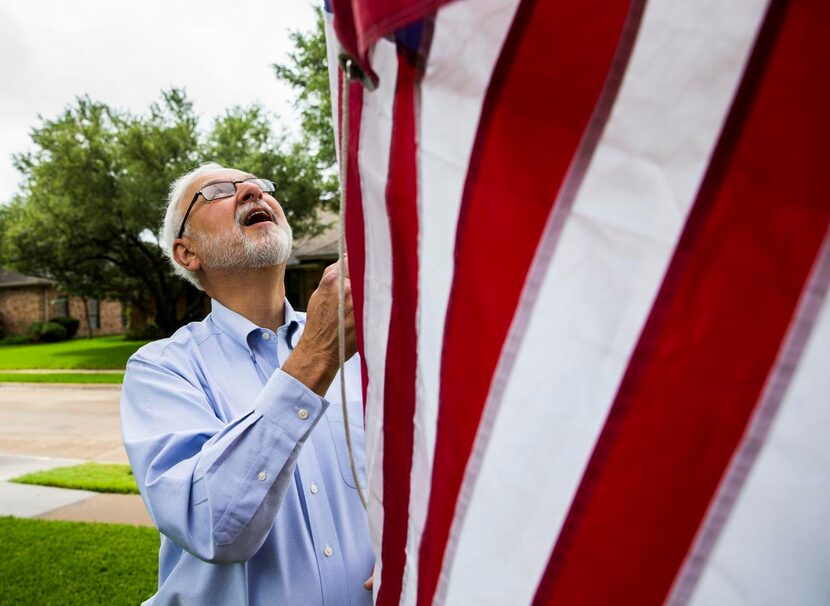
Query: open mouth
x: 256, y: 216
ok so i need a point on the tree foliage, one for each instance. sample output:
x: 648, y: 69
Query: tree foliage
x: 306, y: 71
x: 95, y: 188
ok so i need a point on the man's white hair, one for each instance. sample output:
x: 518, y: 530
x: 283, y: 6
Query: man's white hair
x: 174, y: 215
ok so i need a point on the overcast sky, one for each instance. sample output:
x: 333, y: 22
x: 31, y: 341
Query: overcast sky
x: 124, y: 53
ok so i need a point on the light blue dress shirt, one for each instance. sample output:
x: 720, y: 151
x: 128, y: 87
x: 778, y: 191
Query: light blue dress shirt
x: 245, y: 470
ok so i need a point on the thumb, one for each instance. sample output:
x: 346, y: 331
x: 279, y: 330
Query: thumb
x: 345, y: 266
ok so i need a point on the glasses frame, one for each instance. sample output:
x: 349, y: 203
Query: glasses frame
x: 234, y: 183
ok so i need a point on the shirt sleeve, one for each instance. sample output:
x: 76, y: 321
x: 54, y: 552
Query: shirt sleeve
x: 212, y: 486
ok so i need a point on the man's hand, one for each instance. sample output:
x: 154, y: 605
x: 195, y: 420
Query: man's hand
x: 316, y: 359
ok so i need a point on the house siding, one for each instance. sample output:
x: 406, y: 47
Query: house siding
x: 111, y: 316
x: 20, y: 306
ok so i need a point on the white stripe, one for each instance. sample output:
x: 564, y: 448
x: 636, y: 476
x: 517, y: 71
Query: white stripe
x: 596, y: 295
x: 373, y: 155
x: 775, y: 546
x: 332, y: 52
x: 465, y: 45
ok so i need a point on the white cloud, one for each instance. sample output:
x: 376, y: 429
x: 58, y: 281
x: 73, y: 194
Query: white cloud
x: 124, y: 53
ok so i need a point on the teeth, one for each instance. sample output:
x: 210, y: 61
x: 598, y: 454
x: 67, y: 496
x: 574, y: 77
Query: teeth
x: 257, y: 214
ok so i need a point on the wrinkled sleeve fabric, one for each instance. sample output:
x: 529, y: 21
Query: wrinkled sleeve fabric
x: 213, y: 487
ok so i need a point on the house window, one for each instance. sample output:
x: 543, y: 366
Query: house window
x: 62, y: 307
x: 94, y: 311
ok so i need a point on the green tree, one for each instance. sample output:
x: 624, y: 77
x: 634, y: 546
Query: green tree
x: 306, y: 71
x: 91, y: 203
x: 95, y: 187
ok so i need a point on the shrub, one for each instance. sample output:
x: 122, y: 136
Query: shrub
x: 46, y: 332
x: 70, y: 324
x: 52, y: 332
x: 16, y: 340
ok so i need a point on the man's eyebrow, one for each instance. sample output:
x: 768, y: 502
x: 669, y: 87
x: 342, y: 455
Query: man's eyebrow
x: 227, y: 180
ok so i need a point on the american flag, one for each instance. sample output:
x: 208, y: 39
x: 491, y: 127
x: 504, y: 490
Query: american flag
x: 590, y: 257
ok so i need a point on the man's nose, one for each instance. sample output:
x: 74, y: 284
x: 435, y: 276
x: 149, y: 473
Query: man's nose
x: 247, y: 192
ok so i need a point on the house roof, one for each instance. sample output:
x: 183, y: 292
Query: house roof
x: 321, y: 246
x: 10, y: 279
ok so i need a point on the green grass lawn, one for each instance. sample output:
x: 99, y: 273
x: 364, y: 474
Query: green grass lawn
x: 76, y: 564
x: 98, y: 353
x: 98, y: 477
x: 56, y: 377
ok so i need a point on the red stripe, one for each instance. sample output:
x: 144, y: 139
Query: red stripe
x: 527, y: 139
x: 355, y: 234
x: 715, y: 329
x: 401, y: 350
x: 752, y: 443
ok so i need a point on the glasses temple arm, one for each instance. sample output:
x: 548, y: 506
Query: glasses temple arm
x: 187, y: 213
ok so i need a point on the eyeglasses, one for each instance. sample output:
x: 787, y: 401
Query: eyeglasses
x: 224, y: 189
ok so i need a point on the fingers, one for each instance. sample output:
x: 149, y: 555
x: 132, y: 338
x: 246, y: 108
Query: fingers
x: 331, y: 272
x: 322, y: 319
x: 331, y: 281
x: 346, y: 266
x: 370, y: 581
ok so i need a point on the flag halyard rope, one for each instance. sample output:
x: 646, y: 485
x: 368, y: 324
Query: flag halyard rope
x: 348, y: 72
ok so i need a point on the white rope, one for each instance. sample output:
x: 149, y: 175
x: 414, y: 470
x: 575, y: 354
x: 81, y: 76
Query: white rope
x: 341, y: 301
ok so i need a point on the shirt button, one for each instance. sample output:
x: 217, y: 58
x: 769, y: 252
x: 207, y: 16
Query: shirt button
x: 328, y: 551
x: 313, y: 488
x: 262, y: 476
x: 302, y: 413
x: 266, y: 335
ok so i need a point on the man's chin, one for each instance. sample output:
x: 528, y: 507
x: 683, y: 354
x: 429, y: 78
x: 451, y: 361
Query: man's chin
x: 250, y: 248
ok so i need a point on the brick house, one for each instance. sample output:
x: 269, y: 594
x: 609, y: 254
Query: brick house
x: 25, y: 299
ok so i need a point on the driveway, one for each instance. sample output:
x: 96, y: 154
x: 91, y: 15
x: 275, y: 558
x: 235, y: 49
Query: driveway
x: 65, y: 424
x: 64, y: 421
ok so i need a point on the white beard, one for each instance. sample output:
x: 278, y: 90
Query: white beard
x: 233, y: 249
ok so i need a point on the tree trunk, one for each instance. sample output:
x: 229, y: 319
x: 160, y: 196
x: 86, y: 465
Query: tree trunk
x: 86, y: 315
x: 175, y: 307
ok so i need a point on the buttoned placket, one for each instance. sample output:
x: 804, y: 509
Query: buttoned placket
x: 264, y: 365
x: 327, y: 548
x: 308, y: 476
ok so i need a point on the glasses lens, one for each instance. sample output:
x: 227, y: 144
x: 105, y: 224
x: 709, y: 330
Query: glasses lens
x: 264, y: 184
x: 214, y: 191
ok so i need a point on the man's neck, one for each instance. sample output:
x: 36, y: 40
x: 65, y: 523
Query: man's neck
x: 256, y: 294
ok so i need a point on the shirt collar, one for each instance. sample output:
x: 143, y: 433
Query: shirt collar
x: 292, y: 323
x: 239, y: 328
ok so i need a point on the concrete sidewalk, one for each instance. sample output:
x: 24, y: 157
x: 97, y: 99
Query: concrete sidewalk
x: 49, y: 503
x: 61, y: 421
x: 43, y: 426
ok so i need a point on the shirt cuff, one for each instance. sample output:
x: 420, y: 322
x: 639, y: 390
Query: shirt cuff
x: 291, y: 404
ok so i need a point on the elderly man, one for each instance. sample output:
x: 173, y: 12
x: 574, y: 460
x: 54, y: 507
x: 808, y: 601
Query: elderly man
x: 233, y: 425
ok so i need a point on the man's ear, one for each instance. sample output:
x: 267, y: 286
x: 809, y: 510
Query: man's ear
x: 186, y: 257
